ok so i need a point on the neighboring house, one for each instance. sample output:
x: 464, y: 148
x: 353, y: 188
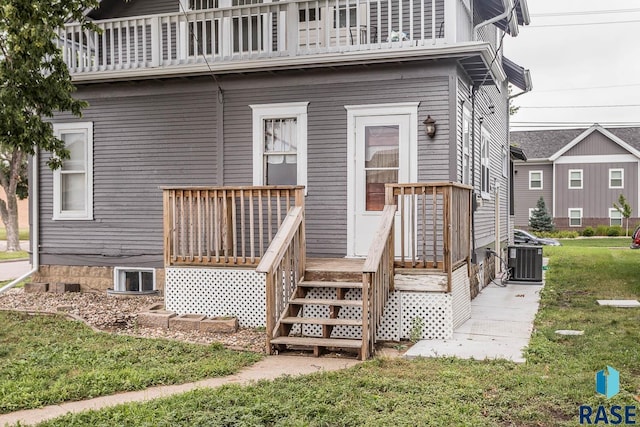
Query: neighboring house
x: 214, y: 124
x: 579, y: 173
x: 23, y: 211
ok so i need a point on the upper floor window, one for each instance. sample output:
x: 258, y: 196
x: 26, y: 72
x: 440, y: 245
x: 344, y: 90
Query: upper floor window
x: 73, y: 182
x: 575, y: 217
x: 616, y: 178
x: 485, y: 142
x: 466, y: 146
x: 535, y: 180
x: 575, y: 179
x: 343, y: 14
x: 615, y: 217
x: 280, y: 144
x: 202, y: 4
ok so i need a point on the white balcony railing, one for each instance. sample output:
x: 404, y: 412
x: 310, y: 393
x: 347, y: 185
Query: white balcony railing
x: 264, y: 30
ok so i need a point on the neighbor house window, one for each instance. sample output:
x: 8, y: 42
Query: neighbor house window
x: 535, y: 180
x: 616, y: 178
x: 485, y: 139
x: 142, y: 280
x: 73, y: 182
x: 466, y: 146
x: 531, y: 210
x: 615, y: 217
x: 280, y: 144
x: 342, y: 15
x: 575, y: 217
x: 575, y: 179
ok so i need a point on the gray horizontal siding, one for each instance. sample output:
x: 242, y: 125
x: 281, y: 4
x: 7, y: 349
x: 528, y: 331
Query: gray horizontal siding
x: 141, y: 142
x: 526, y: 198
x: 326, y: 214
x: 595, y: 197
x: 124, y: 9
x: 596, y: 144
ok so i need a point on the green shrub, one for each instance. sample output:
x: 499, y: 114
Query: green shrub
x: 614, y: 231
x: 588, y: 232
x: 602, y: 230
x: 560, y: 234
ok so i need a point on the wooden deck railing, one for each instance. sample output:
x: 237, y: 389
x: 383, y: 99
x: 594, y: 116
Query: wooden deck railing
x: 434, y: 222
x: 283, y: 263
x: 377, y: 279
x: 224, y: 225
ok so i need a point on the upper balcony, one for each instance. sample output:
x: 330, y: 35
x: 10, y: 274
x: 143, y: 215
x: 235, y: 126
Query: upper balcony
x: 267, y: 36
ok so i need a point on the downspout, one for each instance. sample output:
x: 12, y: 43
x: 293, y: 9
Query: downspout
x: 508, y: 11
x: 35, y: 225
x: 474, y: 204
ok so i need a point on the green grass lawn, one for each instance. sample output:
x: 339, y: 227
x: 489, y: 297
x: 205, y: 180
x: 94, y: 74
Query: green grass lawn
x: 46, y: 360
x: 4, y: 256
x: 23, y: 234
x: 546, y: 391
x: 598, y: 242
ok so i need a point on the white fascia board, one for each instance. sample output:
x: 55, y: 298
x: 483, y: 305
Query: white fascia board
x: 613, y: 158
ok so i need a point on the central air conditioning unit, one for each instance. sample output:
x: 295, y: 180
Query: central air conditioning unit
x: 525, y: 264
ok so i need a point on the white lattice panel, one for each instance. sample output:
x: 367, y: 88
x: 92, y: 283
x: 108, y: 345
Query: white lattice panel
x: 460, y: 289
x: 217, y: 292
x: 435, y: 310
x: 323, y: 311
x: 389, y: 329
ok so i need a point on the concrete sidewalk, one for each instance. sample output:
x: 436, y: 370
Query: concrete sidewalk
x: 269, y: 368
x: 500, y: 326
x: 10, y: 270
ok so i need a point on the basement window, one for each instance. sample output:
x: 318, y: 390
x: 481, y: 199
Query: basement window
x: 134, y: 280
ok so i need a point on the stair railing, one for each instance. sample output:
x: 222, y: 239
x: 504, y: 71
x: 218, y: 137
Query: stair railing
x: 283, y: 264
x: 377, y: 279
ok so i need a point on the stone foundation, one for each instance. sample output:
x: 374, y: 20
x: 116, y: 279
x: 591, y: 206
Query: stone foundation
x: 90, y: 279
x: 478, y: 279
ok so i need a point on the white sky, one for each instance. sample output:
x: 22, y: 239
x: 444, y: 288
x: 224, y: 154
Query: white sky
x: 571, y: 63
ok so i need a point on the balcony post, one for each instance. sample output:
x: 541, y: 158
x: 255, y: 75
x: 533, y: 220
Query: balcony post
x: 450, y: 20
x: 292, y: 28
x: 156, y: 42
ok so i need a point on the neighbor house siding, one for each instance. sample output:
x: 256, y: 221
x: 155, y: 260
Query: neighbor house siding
x: 596, y: 144
x: 328, y: 94
x: 146, y: 135
x: 525, y: 198
x: 595, y: 197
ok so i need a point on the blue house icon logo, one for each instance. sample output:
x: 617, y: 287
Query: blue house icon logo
x: 608, y: 382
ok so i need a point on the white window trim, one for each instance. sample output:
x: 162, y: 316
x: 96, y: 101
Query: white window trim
x: 87, y: 213
x: 612, y: 211
x: 466, y: 150
x: 541, y: 180
x: 569, y: 215
x: 621, y: 178
x: 277, y: 111
x: 581, y: 179
x: 531, y: 212
x: 485, y: 138
x: 118, y: 270
x: 505, y: 163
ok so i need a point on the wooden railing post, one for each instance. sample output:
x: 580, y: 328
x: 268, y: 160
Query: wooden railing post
x: 156, y: 42
x: 292, y: 28
x: 167, y: 200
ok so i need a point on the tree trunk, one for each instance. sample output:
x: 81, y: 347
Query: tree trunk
x: 9, y: 213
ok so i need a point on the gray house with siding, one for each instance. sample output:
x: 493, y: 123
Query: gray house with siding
x: 230, y: 145
x: 579, y: 173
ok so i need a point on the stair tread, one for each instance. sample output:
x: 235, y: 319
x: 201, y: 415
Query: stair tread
x: 336, y: 302
x: 318, y: 342
x: 328, y: 284
x: 322, y: 321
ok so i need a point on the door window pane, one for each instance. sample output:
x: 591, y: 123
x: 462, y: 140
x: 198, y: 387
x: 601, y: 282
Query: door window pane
x: 381, y: 162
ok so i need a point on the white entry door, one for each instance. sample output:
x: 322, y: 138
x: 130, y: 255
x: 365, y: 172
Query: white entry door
x: 382, y: 148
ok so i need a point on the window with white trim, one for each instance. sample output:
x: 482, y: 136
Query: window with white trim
x: 485, y: 173
x: 466, y: 146
x: 616, y: 178
x: 531, y: 210
x: 575, y: 179
x: 575, y: 217
x: 615, y: 217
x: 535, y: 180
x: 132, y: 280
x: 73, y: 182
x: 280, y: 144
x: 505, y: 162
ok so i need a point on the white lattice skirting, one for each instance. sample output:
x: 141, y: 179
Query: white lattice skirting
x: 223, y: 292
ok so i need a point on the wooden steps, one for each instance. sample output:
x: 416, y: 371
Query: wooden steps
x: 322, y: 278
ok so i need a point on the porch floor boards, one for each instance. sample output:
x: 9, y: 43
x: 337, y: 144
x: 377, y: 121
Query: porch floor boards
x: 351, y: 265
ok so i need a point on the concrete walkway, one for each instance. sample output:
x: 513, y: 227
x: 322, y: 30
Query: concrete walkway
x: 500, y: 326
x: 10, y: 270
x: 269, y: 368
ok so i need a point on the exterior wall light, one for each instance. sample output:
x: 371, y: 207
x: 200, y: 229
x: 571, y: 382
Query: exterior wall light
x: 430, y: 127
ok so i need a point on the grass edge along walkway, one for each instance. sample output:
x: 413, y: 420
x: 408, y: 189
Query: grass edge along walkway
x: 269, y: 368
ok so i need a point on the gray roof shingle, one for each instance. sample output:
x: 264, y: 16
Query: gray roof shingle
x: 542, y: 144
